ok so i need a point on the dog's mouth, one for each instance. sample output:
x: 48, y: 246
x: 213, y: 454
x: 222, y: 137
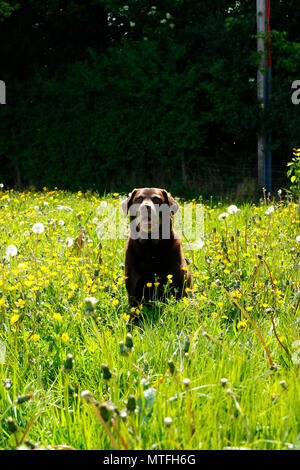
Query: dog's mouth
x: 148, y: 223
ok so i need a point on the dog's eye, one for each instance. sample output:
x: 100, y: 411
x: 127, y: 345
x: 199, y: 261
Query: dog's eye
x: 156, y: 200
x: 138, y: 199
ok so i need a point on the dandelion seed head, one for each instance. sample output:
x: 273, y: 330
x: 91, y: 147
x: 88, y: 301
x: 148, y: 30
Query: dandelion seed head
x: 233, y: 209
x: 11, y: 251
x: 223, y: 216
x: 38, y: 227
x: 270, y: 210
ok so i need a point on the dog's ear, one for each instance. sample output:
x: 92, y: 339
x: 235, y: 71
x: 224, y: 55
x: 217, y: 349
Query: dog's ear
x: 127, y: 202
x: 174, y: 206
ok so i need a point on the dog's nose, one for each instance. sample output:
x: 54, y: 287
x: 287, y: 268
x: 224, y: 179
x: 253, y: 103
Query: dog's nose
x: 146, y: 209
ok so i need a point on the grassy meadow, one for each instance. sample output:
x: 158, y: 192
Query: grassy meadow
x: 215, y: 370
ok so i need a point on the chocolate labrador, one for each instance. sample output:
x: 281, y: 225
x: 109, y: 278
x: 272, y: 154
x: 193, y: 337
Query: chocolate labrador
x: 154, y: 255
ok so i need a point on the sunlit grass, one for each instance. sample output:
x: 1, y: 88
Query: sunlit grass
x: 217, y: 369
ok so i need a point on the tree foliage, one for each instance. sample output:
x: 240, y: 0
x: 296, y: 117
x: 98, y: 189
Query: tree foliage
x: 106, y: 96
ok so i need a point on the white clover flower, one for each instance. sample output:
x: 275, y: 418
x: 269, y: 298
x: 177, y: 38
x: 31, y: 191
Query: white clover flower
x: 26, y: 233
x: 168, y: 421
x: 46, y: 203
x: 103, y: 204
x: 233, y: 209
x: 298, y: 239
x: 38, y: 228
x: 61, y: 222
x: 269, y: 210
x: 1, y: 185
x: 11, y: 250
x: 198, y: 244
x: 95, y: 220
x: 223, y: 216
x: 64, y: 208
x: 69, y: 241
x: 36, y: 208
x: 91, y: 301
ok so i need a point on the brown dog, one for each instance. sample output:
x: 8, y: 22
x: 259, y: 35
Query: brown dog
x: 153, y: 250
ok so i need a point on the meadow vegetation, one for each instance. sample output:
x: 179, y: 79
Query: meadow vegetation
x: 218, y: 369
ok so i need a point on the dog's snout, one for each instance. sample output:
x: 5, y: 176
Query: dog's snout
x: 147, y: 209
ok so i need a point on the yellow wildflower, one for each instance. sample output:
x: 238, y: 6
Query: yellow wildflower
x: 65, y: 337
x: 36, y: 338
x: 20, y: 303
x: 242, y: 325
x: 14, y: 319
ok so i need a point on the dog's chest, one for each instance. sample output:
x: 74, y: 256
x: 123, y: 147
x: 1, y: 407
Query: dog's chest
x: 152, y: 263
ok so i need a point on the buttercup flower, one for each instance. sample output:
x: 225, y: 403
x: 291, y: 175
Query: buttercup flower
x: 65, y: 337
x: 35, y: 338
x: 14, y: 319
x: 242, y: 325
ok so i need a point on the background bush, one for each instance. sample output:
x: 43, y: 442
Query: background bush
x: 163, y: 93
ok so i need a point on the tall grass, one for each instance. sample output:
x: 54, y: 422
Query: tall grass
x: 218, y: 369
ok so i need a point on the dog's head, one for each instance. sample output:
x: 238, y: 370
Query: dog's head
x: 151, y: 212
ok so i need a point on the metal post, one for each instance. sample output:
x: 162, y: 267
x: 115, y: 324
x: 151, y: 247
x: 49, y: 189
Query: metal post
x: 261, y: 85
x: 268, y: 169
